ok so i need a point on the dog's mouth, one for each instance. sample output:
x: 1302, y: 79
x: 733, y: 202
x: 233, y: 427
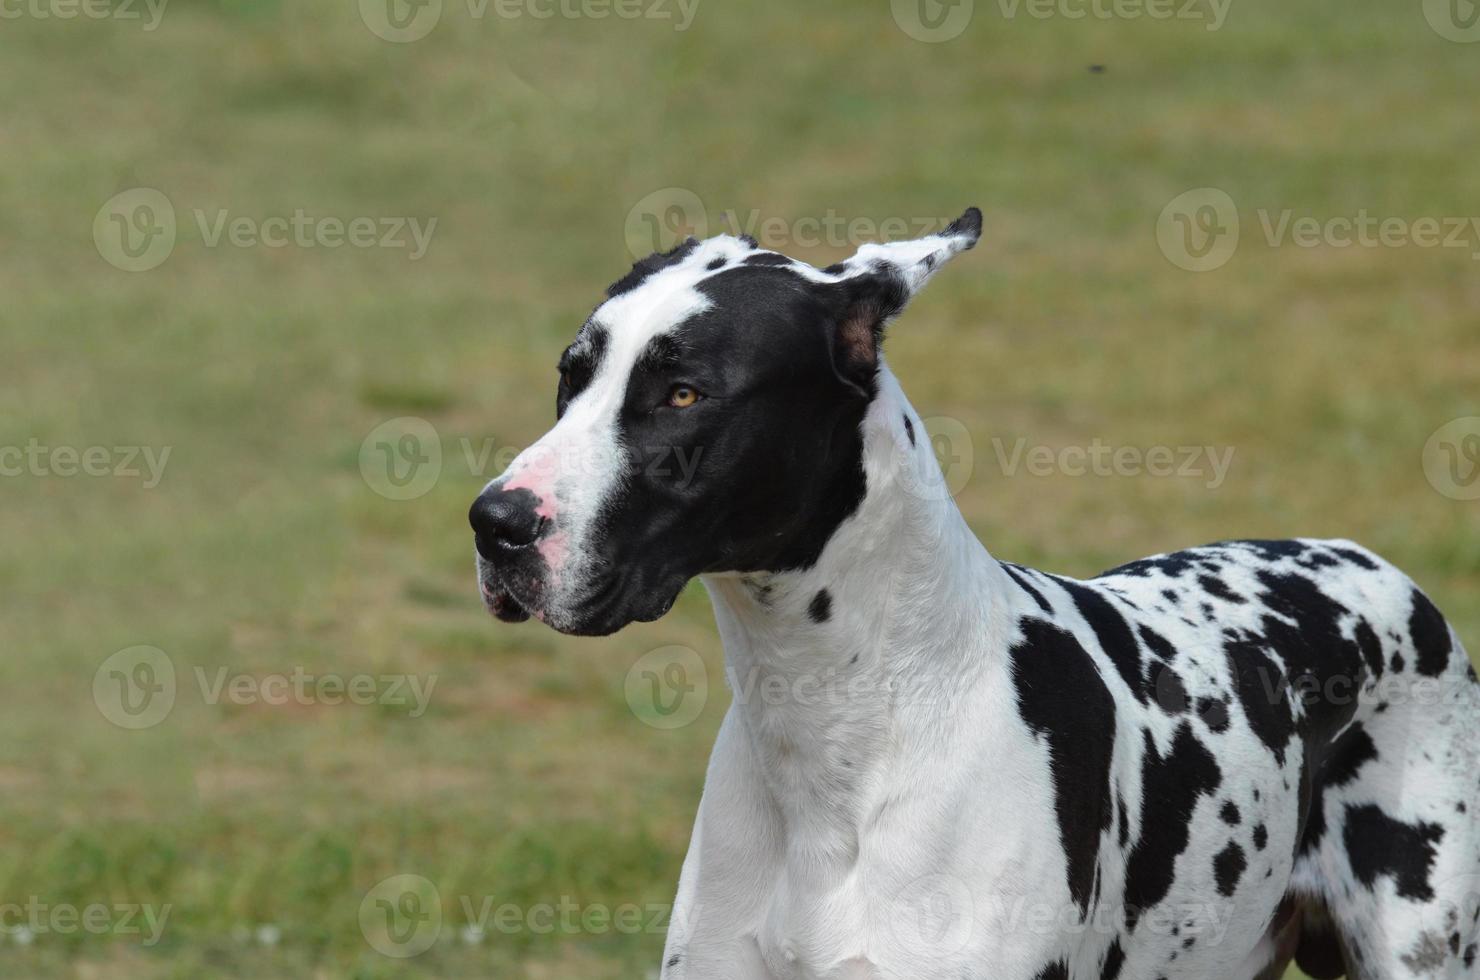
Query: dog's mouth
x: 501, y: 601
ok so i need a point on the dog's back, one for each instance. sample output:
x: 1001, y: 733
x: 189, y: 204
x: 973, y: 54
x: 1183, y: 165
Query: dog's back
x: 1345, y: 672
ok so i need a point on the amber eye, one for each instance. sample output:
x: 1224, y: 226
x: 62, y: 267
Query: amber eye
x: 682, y: 396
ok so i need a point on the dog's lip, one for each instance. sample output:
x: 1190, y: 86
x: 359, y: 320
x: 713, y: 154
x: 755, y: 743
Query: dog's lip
x: 502, y: 603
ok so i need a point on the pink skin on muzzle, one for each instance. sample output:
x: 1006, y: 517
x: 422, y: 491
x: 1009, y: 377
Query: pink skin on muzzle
x: 538, y: 478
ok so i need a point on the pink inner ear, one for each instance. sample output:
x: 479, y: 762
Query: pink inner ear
x: 857, y: 343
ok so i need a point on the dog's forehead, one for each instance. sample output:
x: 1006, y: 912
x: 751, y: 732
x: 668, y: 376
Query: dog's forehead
x: 665, y: 291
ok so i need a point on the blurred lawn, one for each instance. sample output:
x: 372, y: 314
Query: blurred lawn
x: 263, y: 550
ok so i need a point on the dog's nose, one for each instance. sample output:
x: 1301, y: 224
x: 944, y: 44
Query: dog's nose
x: 504, y: 517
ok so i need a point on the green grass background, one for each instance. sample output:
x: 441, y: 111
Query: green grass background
x: 264, y: 550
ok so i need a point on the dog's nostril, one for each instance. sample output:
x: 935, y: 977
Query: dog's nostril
x: 509, y: 517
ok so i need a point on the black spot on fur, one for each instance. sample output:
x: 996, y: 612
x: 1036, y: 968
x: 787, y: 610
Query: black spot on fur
x: 766, y: 258
x: 1326, y: 669
x: 820, y: 609
x: 1214, y: 713
x: 651, y: 265
x: 1113, y: 632
x: 1262, y: 689
x: 1054, y: 971
x: 1114, y: 960
x: 1021, y: 578
x: 1062, y: 699
x: 1377, y: 845
x: 1217, y: 587
x: 718, y: 263
x: 1229, y: 814
x: 1370, y: 646
x: 1270, y: 551
x: 1170, y: 693
x: 909, y: 429
x: 1261, y: 837
x: 1349, y: 753
x: 1356, y: 558
x: 1157, y: 643
x: 1170, y: 789
x: 1228, y: 868
x: 1430, y: 636
x: 1338, y: 766
x: 1172, y: 566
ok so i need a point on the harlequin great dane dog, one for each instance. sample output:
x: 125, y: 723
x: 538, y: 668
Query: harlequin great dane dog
x: 941, y: 765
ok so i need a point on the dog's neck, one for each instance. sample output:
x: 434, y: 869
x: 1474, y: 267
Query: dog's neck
x: 913, y: 614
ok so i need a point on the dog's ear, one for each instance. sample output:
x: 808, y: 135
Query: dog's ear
x: 877, y: 284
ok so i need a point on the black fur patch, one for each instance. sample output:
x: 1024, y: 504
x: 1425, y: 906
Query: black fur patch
x: 654, y: 263
x: 1430, y: 636
x: 1114, y: 634
x: 1376, y: 845
x: 1054, y: 971
x: 1228, y: 868
x: 1021, y: 578
x: 1170, y: 789
x: 820, y: 608
x: 1062, y: 699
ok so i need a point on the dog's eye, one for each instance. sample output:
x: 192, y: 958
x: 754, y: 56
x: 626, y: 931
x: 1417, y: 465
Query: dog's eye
x: 682, y: 396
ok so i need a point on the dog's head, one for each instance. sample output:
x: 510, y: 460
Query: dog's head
x: 709, y: 419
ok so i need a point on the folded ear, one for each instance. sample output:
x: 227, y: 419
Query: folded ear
x: 878, y: 282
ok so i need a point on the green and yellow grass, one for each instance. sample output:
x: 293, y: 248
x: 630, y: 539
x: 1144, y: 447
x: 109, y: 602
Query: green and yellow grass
x: 263, y: 549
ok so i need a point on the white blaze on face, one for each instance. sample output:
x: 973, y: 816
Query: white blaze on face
x: 579, y: 464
